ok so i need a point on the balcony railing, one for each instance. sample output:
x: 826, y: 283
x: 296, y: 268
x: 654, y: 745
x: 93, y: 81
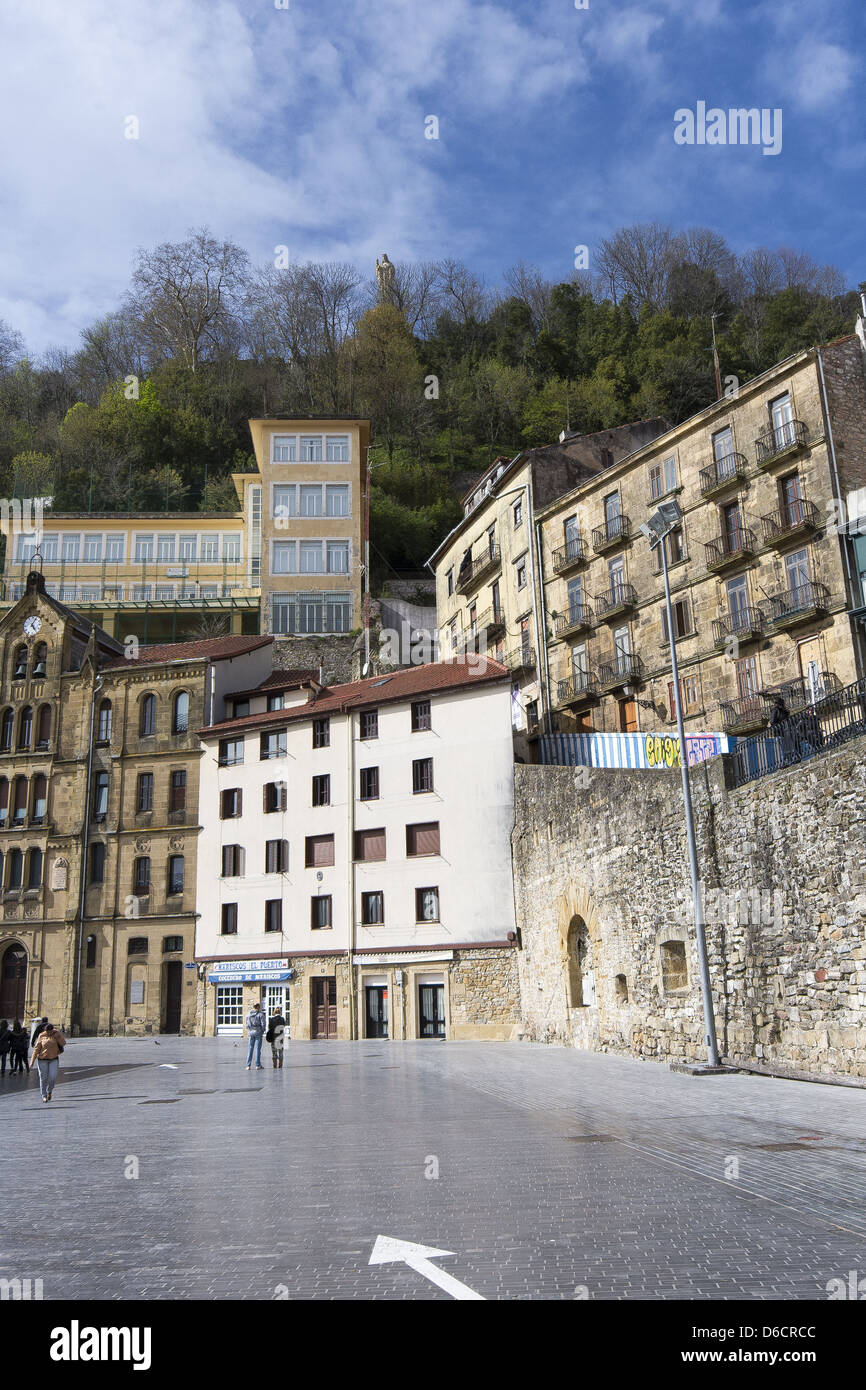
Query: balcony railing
x: 471, y: 575
x: 570, y: 556
x: 577, y: 689
x: 618, y: 599
x: 615, y: 531
x: 777, y: 441
x: 490, y: 622
x: 520, y: 659
x: 819, y: 727
x: 797, y: 604
x: 577, y: 619
x: 797, y: 694
x: 623, y: 670
x: 129, y: 582
x: 744, y: 714
x: 744, y: 625
x: 722, y: 473
x: 797, y: 518
x: 731, y: 546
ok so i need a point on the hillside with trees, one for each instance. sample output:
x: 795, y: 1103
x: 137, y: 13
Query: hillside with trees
x: 150, y: 412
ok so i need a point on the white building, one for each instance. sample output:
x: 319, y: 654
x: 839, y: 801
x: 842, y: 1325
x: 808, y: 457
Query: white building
x: 355, y: 857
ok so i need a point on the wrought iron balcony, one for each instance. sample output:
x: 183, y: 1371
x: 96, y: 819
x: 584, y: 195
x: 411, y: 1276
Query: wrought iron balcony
x: 778, y: 442
x: 577, y: 619
x: 618, y: 599
x: 581, y: 688
x: 796, y: 519
x: 743, y: 715
x: 797, y: 605
x: 615, y: 531
x: 471, y: 575
x: 731, y: 547
x: 625, y: 669
x: 746, y: 625
x: 570, y: 556
x: 800, y: 693
x: 520, y: 659
x: 723, y: 473
x: 490, y: 623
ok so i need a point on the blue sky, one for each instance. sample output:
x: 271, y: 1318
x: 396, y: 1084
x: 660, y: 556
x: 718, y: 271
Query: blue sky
x: 304, y: 126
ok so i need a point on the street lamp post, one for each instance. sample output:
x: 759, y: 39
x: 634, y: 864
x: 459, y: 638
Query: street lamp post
x: 657, y: 530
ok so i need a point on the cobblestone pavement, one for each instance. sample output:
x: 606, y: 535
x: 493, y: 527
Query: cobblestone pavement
x: 561, y: 1174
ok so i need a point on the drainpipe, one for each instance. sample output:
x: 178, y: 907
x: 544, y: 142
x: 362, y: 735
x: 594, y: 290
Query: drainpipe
x: 843, y: 538
x: 82, y: 881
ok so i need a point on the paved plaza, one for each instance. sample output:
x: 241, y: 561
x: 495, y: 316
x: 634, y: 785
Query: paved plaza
x: 561, y: 1175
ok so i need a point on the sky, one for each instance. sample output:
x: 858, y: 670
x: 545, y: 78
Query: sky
x: 303, y: 123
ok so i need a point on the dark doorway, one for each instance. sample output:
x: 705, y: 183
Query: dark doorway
x: 431, y: 999
x: 377, y: 1011
x: 13, y: 983
x: 172, y: 995
x: 325, y: 1007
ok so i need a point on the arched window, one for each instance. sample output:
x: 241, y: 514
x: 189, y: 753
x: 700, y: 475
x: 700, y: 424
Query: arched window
x: 7, y: 724
x: 25, y: 726
x: 4, y: 801
x: 19, y: 670
x: 40, y: 797
x: 34, y: 869
x: 19, y: 803
x: 581, y: 982
x: 621, y: 988
x: 44, y: 731
x: 103, y: 733
x: 675, y: 968
x: 147, y: 719
x: 180, y: 717
x: 16, y: 869
x: 90, y: 959
x: 40, y: 661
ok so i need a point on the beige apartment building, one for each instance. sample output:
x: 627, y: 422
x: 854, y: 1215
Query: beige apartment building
x: 488, y: 581
x: 762, y: 578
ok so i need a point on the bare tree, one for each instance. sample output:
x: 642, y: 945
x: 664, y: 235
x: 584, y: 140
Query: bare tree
x: 11, y: 347
x: 527, y: 284
x: 635, y: 261
x: 463, y: 294
x: 186, y: 295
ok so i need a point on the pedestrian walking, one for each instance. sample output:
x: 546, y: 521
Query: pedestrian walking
x: 18, y: 1048
x: 276, y: 1036
x: 38, y: 1025
x: 46, y: 1055
x: 5, y: 1044
x: 256, y: 1025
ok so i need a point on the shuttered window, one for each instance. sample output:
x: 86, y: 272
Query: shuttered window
x: 274, y: 797
x: 229, y: 924
x: 276, y: 856
x: 274, y: 914
x: 319, y: 851
x: 322, y: 790
x: 233, y: 861
x: 231, y: 803
x: 370, y: 844
x: 422, y: 838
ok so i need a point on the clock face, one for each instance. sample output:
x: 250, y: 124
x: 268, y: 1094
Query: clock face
x: 32, y: 626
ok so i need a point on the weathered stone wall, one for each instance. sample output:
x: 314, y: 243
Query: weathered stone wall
x: 601, y: 856
x: 484, y: 995
x: 333, y: 654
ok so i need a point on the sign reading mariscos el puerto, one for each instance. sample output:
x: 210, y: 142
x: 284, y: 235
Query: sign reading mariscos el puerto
x: 235, y: 972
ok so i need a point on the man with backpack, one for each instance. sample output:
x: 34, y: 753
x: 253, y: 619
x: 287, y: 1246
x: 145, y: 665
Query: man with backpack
x: 256, y: 1025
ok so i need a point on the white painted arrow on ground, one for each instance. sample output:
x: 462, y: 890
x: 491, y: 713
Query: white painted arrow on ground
x: 170, y: 1066
x: 387, y: 1250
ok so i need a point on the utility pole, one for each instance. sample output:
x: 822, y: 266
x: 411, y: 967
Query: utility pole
x: 716, y: 359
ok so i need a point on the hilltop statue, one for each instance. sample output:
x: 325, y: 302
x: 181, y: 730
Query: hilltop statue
x: 385, y: 274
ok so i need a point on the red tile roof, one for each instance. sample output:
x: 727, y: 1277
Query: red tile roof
x: 457, y: 674
x: 204, y: 649
x: 288, y: 679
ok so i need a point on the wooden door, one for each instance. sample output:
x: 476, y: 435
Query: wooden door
x: 172, y: 995
x: 13, y: 984
x: 627, y: 716
x: 325, y: 1006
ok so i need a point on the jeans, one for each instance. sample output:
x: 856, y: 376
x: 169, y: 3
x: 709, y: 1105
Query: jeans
x: 255, y: 1042
x: 47, y: 1074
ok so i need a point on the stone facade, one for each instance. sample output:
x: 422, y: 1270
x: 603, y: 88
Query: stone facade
x: 608, y: 957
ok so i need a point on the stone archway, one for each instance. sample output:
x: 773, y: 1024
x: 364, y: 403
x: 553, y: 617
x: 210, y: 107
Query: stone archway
x: 580, y: 974
x: 13, y: 982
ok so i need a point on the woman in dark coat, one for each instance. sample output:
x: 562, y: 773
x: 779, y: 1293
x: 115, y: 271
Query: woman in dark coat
x: 20, y: 1043
x: 5, y: 1044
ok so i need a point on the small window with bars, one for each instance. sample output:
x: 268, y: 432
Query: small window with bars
x: 369, y: 783
x: 421, y: 717
x: 422, y: 775
x: 322, y: 790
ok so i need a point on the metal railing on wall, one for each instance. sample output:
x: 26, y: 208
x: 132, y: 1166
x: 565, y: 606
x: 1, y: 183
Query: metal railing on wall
x: 818, y: 728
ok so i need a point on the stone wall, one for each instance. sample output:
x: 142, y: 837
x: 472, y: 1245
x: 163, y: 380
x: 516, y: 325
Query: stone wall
x: 484, y: 995
x: 335, y: 655
x: 603, y: 900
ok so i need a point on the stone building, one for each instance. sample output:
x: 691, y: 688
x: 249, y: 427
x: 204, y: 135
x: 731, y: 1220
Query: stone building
x: 99, y: 815
x: 355, y: 864
x: 763, y: 576
x: 488, y: 583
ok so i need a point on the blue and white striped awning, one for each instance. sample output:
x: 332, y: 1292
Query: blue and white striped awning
x: 651, y: 750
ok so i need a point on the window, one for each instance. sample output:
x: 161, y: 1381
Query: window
x: 285, y: 450
x: 274, y: 797
x: 210, y: 549
x: 422, y: 775
x: 748, y: 681
x: 370, y: 844
x: 321, y: 733
x: 20, y: 671
x: 274, y: 914
x: 372, y: 909
x: 19, y: 801
x: 177, y: 791
x: 689, y: 694
x: 520, y: 572
x: 369, y: 783
x: 6, y: 727
x: 172, y: 943
x: 232, y: 861
x: 100, y: 796
x: 187, y: 546
x: 322, y: 790
x: 93, y: 550
x: 97, y: 862
x: 137, y: 946
x: 276, y: 856
x: 426, y: 904
x: 517, y: 513
x: 422, y: 839
x: 682, y: 620
x: 337, y: 499
x: 612, y: 513
x: 320, y: 912
x: 369, y: 723
x: 165, y: 549
x: 114, y: 547
x: 272, y: 745
x: 141, y: 875
x: 675, y: 970
x: 231, y: 803
x: 34, y: 869
x: 338, y: 557
x: 25, y: 727
x: 311, y: 448
x: 663, y: 477
x: 104, y: 725
x: 421, y: 716
x: 70, y: 548
x: 175, y: 874
x: 232, y: 548
x: 655, y: 479
x: 231, y: 752
x: 40, y: 659
x: 180, y: 715
x: 311, y: 557
x: 311, y: 500
x: 285, y: 502
x: 797, y: 571
x: 16, y: 868
x: 449, y: 582
x: 791, y: 500
x: 318, y: 851
x: 90, y: 957
x: 337, y: 448
x: 240, y: 709
x: 147, y: 717
x: 275, y: 702
x: 143, y: 549
x: 284, y: 557
x: 144, y: 792
x: 40, y: 798
x: 229, y: 919
x: 4, y: 803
